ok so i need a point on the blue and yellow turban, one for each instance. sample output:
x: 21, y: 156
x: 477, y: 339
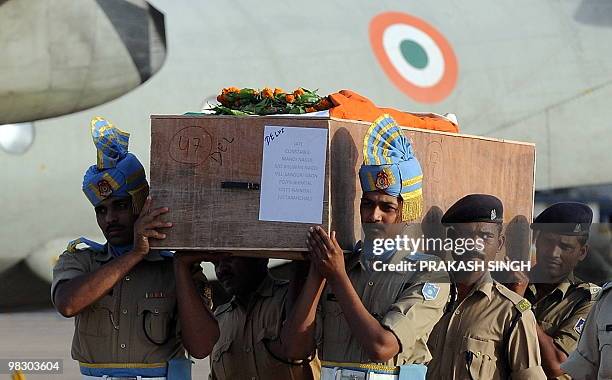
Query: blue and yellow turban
x: 390, y: 165
x: 117, y: 172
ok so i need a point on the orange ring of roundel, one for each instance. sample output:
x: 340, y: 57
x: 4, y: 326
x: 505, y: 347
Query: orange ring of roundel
x: 431, y: 94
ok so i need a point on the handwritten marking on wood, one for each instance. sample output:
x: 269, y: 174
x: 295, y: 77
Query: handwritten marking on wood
x: 434, y: 159
x: 190, y: 145
x: 222, y: 147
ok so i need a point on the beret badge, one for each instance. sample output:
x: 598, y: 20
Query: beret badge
x: 383, y: 180
x: 104, y: 188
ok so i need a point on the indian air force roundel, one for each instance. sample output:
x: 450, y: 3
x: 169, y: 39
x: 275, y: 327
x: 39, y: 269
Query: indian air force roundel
x: 414, y: 55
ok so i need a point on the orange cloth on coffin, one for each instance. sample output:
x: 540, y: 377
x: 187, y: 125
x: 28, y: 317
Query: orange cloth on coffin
x: 350, y: 105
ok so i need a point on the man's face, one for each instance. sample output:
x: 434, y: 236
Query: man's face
x: 380, y: 215
x: 482, y: 233
x: 558, y: 255
x: 239, y: 275
x: 116, y: 219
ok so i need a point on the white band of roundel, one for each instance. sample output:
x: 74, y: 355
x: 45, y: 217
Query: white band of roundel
x: 426, y: 77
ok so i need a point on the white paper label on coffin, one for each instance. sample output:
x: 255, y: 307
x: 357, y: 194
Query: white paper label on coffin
x: 293, y: 174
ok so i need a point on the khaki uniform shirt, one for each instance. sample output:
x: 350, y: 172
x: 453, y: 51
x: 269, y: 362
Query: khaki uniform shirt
x: 241, y: 353
x: 396, y: 300
x: 136, y: 322
x: 562, y: 313
x: 592, y: 359
x: 473, y: 340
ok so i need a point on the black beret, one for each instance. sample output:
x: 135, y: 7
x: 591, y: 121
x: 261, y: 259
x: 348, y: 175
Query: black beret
x: 475, y: 208
x: 565, y: 218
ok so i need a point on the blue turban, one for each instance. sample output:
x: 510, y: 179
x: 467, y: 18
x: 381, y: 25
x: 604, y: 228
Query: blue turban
x: 117, y: 173
x: 390, y: 165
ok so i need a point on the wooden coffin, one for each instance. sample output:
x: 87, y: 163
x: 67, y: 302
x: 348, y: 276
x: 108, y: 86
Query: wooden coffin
x: 193, y: 157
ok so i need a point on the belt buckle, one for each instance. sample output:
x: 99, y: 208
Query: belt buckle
x: 350, y: 374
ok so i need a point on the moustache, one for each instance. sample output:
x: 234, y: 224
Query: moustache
x: 114, y: 227
x: 552, y: 262
x: 371, y: 227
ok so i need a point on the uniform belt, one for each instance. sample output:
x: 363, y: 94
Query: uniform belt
x: 125, y: 370
x: 358, y: 371
x: 371, y: 371
x: 87, y: 377
x: 328, y: 373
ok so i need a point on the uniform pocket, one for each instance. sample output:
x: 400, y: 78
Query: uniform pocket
x: 219, y: 349
x: 335, y: 327
x: 220, y: 362
x: 157, y: 316
x: 605, y: 353
x: 263, y: 349
x: 480, y: 359
x: 97, y: 320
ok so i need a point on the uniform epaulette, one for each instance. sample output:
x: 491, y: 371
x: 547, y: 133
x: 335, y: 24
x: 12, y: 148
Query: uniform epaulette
x: 223, y: 308
x: 90, y: 245
x: 520, y: 303
x: 523, y: 305
x: 72, y: 246
x: 83, y: 250
x: 77, y: 250
x: 592, y: 289
x: 606, y: 286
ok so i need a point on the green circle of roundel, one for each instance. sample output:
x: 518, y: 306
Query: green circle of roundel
x: 414, y: 54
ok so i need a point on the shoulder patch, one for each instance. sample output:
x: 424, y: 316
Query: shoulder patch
x: 430, y: 291
x: 579, y: 325
x: 523, y: 305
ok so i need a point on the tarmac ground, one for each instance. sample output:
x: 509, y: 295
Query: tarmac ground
x: 44, y: 334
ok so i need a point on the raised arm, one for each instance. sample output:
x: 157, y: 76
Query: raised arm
x: 199, y: 328
x: 298, y: 331
x: 72, y: 296
x: 379, y: 343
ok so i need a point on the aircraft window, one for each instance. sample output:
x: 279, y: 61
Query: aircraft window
x: 16, y: 138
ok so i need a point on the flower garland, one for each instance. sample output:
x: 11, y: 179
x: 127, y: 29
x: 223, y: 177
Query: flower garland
x: 248, y: 101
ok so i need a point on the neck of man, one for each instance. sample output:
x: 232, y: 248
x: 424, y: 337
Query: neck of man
x: 546, y: 283
x: 465, y: 282
x: 245, y: 295
x: 119, y: 250
x: 542, y: 290
x: 545, y: 288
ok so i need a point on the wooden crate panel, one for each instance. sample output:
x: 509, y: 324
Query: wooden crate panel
x: 191, y: 156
